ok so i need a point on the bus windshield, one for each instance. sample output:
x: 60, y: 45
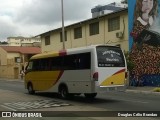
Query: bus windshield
x: 110, y: 56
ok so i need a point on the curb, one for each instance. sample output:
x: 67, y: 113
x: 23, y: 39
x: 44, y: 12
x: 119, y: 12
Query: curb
x: 11, y: 80
x: 143, y: 92
x: 15, y: 80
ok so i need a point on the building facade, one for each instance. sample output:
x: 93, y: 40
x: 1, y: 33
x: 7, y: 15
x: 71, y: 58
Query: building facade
x: 105, y: 9
x: 14, y: 58
x: 24, y: 41
x: 110, y: 29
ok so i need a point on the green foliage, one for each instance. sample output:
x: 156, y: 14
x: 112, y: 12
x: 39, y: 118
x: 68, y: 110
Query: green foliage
x: 3, y: 43
x: 124, y: 1
x: 130, y: 64
x: 156, y: 89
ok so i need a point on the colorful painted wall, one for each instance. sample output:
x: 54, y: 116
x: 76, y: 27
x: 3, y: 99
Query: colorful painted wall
x: 144, y: 42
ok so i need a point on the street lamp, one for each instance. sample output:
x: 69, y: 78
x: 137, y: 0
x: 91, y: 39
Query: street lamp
x: 63, y: 33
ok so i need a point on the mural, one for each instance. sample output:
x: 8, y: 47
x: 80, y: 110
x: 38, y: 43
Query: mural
x: 144, y: 41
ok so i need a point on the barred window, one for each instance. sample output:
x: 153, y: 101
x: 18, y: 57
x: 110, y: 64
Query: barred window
x: 113, y: 24
x: 94, y: 28
x: 77, y: 32
x: 47, y: 40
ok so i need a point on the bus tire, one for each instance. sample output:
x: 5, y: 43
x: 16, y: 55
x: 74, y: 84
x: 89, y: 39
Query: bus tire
x: 30, y: 89
x: 90, y: 95
x: 64, y: 92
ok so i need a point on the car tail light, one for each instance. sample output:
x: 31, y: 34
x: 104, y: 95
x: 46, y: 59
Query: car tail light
x: 95, y: 76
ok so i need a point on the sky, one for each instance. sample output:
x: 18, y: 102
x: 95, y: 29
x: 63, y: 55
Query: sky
x: 29, y: 18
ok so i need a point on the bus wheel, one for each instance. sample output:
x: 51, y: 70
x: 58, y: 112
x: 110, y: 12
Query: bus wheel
x: 30, y: 89
x: 64, y: 92
x: 90, y: 95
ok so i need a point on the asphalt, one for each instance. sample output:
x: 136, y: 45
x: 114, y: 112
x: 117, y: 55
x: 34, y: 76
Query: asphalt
x: 131, y: 89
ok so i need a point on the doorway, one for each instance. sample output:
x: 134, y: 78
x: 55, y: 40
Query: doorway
x: 16, y: 72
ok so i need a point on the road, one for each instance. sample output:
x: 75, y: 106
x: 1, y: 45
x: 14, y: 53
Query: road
x: 113, y: 101
x: 17, y: 86
x: 121, y: 101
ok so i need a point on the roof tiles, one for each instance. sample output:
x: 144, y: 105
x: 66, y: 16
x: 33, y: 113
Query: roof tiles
x: 22, y: 50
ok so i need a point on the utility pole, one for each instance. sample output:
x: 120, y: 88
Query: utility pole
x: 63, y: 33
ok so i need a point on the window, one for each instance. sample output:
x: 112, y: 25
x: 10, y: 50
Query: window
x: 68, y: 62
x: 110, y: 57
x: 41, y: 64
x: 72, y: 62
x: 77, y: 32
x: 30, y: 65
x: 44, y: 64
x: 47, y: 40
x: 18, y: 60
x: 84, y: 61
x: 77, y: 61
x: 113, y: 24
x: 61, y: 36
x: 56, y: 63
x: 94, y: 28
x: 35, y: 65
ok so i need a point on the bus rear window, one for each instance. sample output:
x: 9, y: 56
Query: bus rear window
x: 110, y: 56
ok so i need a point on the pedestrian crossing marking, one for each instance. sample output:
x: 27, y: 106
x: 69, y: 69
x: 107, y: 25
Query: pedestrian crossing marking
x: 37, y: 104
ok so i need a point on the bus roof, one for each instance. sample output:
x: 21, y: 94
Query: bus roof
x: 45, y: 55
x: 65, y: 52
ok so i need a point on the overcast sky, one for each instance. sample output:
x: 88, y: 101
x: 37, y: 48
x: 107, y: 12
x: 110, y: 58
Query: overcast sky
x: 32, y: 17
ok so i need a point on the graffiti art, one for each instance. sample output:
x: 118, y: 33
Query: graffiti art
x: 144, y: 41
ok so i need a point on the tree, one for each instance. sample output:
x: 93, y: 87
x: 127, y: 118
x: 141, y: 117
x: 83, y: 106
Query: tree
x: 124, y: 1
x: 130, y: 64
x: 3, y: 43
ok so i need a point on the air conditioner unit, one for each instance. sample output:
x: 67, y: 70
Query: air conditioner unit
x: 119, y: 34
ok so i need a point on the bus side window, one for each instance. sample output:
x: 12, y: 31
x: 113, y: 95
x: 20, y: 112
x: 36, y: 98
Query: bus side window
x: 84, y: 61
x: 35, y: 65
x: 29, y: 66
x: 87, y: 58
x: 76, y: 62
x: 69, y: 62
x: 56, y: 63
x: 44, y: 64
x: 41, y: 65
x: 49, y: 63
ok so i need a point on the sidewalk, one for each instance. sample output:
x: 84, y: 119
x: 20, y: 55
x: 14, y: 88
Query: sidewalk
x: 8, y: 79
x: 144, y: 90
